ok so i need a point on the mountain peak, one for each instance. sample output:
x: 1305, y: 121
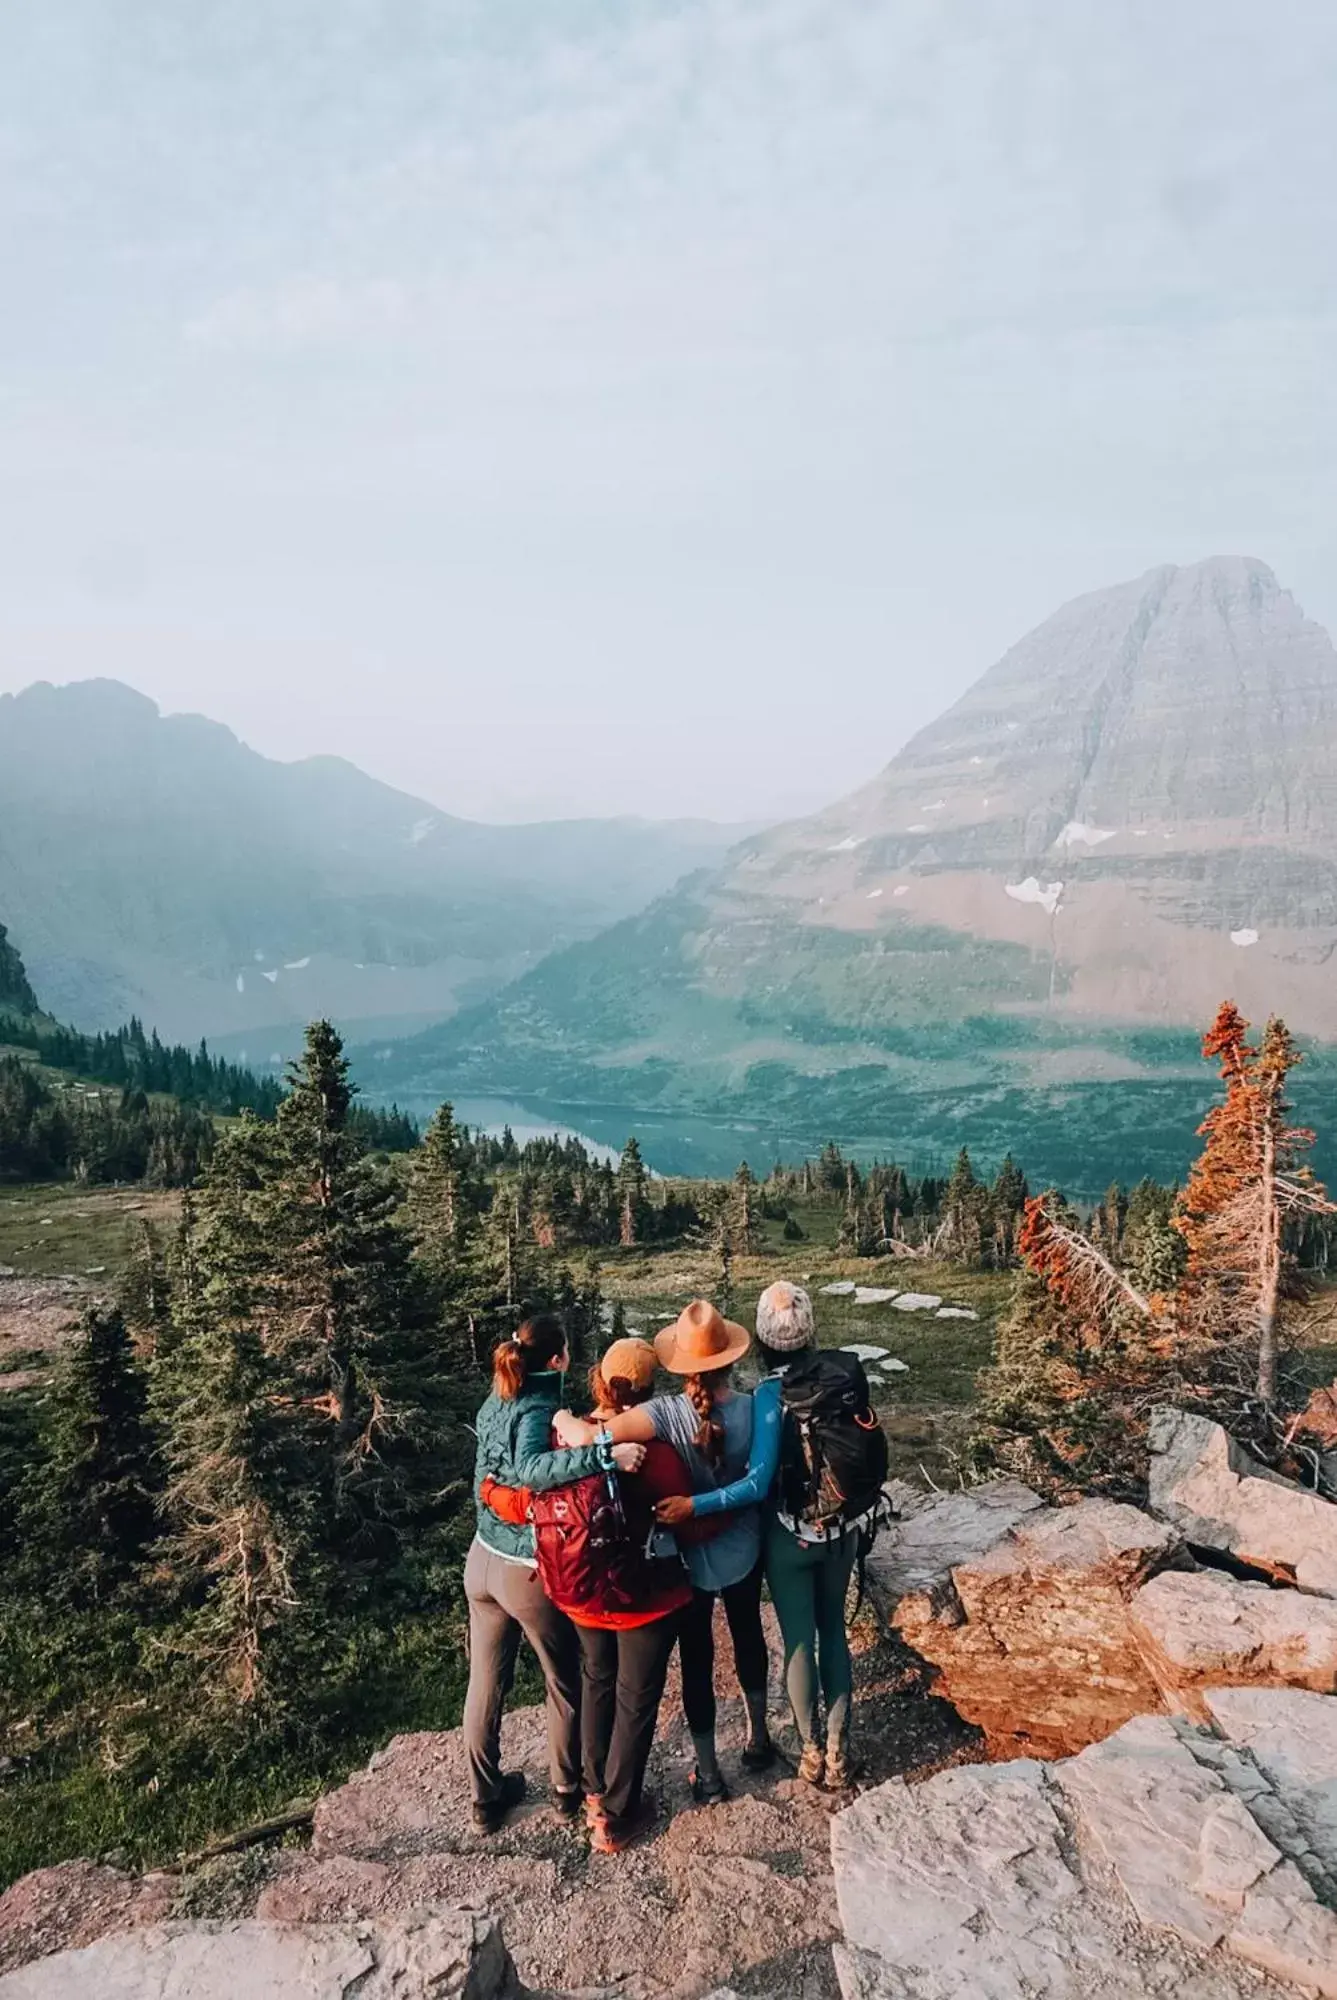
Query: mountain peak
x: 96, y: 696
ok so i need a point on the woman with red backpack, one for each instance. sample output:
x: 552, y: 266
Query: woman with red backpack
x: 619, y: 1578
x: 709, y: 1424
x: 501, y: 1581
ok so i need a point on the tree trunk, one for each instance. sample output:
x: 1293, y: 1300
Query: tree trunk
x: 1269, y: 1267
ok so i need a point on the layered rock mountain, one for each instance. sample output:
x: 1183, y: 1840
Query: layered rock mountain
x: 155, y: 865
x: 1130, y: 816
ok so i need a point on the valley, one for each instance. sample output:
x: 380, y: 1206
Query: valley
x: 1012, y: 937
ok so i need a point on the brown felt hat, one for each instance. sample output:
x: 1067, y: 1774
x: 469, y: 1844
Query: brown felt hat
x: 701, y: 1339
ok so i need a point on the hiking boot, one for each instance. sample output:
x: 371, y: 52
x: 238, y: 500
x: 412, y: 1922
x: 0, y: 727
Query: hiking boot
x: 759, y: 1756
x: 812, y: 1764
x: 839, y: 1773
x: 490, y: 1818
x: 606, y: 1838
x: 568, y: 1804
x: 707, y: 1791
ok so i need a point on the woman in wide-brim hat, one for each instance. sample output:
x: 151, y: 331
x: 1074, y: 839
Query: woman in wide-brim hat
x: 808, y: 1571
x: 709, y: 1423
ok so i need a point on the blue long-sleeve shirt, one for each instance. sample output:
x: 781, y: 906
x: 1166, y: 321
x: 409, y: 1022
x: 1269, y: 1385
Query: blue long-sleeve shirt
x: 763, y: 1460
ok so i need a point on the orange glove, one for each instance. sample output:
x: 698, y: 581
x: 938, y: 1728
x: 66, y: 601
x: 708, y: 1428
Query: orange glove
x: 508, y: 1503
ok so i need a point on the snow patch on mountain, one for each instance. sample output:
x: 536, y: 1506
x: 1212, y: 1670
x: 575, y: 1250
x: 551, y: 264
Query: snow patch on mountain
x: 1244, y: 938
x: 845, y: 846
x: 1077, y: 833
x: 1045, y: 895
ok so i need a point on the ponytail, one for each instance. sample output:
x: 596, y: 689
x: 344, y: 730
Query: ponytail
x: 613, y: 1393
x: 700, y: 1393
x: 533, y: 1347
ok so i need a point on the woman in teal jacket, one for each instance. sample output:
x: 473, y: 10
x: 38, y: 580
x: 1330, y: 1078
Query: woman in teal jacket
x: 501, y: 1581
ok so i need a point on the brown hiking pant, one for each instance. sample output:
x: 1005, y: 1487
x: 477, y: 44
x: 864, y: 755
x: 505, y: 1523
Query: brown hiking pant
x: 506, y: 1601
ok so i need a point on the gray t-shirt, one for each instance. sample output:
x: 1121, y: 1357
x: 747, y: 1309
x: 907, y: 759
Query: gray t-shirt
x: 735, y: 1550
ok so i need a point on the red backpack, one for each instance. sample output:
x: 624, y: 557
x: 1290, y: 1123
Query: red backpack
x: 591, y: 1556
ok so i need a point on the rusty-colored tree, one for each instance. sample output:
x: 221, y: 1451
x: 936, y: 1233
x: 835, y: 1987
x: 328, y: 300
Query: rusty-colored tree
x: 1248, y: 1181
x: 1077, y: 1364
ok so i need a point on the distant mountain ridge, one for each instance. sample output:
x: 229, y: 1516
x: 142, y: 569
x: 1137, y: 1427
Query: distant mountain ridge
x: 1131, y: 815
x: 155, y: 865
x: 16, y: 995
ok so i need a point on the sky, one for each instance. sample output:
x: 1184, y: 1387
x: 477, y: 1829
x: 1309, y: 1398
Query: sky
x: 661, y: 406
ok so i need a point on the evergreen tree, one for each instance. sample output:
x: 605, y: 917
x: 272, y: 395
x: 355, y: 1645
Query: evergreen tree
x: 745, y: 1222
x: 633, y: 1203
x: 1007, y: 1199
x: 965, y: 1219
x: 436, y: 1210
x: 241, y: 1492
x: 92, y: 1510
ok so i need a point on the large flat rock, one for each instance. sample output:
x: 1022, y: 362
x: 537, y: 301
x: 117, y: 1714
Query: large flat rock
x: 1214, y: 1630
x: 1219, y: 1497
x: 447, y: 1954
x: 936, y: 1531
x: 1140, y: 1866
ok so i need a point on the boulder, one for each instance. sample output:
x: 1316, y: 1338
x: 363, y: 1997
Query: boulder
x: 1139, y: 1866
x: 74, y: 1902
x: 1033, y: 1641
x: 1290, y: 1738
x: 449, y: 1954
x: 1219, y: 1497
x: 935, y: 1531
x: 1214, y: 1630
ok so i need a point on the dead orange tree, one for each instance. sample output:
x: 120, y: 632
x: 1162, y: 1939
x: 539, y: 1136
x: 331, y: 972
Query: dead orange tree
x: 1065, y: 1405
x: 1248, y: 1182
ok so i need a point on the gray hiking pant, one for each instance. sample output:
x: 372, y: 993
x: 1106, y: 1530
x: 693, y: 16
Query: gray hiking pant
x: 506, y: 1601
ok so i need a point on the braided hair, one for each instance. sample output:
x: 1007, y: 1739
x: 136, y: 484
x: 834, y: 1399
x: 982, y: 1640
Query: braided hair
x: 701, y: 1391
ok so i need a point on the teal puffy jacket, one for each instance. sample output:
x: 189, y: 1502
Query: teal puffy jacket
x: 515, y: 1449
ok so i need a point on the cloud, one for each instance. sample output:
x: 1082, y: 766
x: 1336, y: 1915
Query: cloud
x: 304, y: 313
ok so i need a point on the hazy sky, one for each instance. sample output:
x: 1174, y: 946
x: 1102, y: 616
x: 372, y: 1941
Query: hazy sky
x: 662, y: 405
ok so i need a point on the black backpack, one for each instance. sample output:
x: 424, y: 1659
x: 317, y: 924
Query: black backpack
x: 833, y: 1460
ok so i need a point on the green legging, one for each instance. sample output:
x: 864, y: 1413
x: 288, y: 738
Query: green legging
x: 809, y: 1583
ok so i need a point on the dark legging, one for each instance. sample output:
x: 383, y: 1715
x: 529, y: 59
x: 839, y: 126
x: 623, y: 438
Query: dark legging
x: 622, y: 1678
x: 696, y: 1648
x: 809, y: 1583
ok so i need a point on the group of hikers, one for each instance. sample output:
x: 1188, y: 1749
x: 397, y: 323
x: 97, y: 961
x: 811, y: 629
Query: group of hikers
x: 606, y: 1541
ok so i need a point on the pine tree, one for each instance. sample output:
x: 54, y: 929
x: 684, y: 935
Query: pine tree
x: 241, y: 1500
x: 1249, y: 1180
x: 965, y: 1221
x: 1153, y: 1249
x: 435, y: 1207
x: 745, y: 1222
x: 633, y: 1203
x: 91, y: 1517
x: 1008, y: 1198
